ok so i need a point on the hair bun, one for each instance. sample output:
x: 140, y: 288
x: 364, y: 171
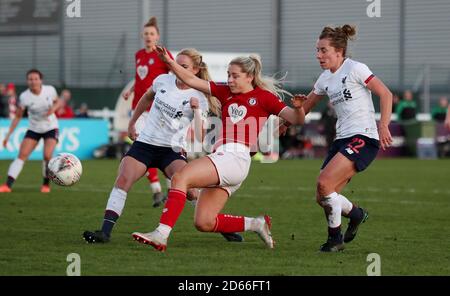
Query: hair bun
x: 349, y: 30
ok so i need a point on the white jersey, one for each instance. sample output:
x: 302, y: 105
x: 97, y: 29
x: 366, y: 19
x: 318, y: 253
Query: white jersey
x: 38, y: 106
x: 351, y: 99
x: 169, y: 118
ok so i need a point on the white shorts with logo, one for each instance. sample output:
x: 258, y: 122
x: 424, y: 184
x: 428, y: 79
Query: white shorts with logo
x: 232, y: 162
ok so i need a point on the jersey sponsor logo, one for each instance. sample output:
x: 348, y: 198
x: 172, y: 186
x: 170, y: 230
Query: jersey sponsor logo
x: 142, y: 72
x: 179, y: 114
x: 347, y: 94
x: 236, y: 112
x: 151, y: 61
x: 252, y: 101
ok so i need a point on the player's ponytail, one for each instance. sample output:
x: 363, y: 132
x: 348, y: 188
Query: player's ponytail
x: 203, y: 73
x: 252, y: 66
x: 339, y: 36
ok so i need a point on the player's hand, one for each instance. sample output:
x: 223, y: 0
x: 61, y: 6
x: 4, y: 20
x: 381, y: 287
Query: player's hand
x: 126, y: 95
x: 194, y: 103
x: 132, y: 131
x: 298, y: 100
x: 385, y: 136
x: 162, y: 53
x: 5, y: 141
x: 50, y: 112
x: 282, y: 129
x: 447, y: 124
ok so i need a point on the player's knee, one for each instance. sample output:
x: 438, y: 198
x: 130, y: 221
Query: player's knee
x: 178, y: 180
x: 204, y: 225
x: 323, y: 186
x: 123, y: 182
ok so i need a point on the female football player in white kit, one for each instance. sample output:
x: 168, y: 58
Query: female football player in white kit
x: 247, y: 101
x: 41, y: 101
x: 148, y: 67
x: 162, y: 141
x: 348, y: 84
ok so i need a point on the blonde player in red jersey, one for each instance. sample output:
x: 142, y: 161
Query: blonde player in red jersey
x: 148, y: 67
x: 247, y: 101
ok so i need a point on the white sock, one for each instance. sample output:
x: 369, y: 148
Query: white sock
x: 164, y: 229
x: 334, y: 202
x: 346, y: 205
x: 156, y: 187
x: 15, y: 168
x: 251, y: 224
x: 116, y: 201
x: 44, y: 169
x: 168, y: 183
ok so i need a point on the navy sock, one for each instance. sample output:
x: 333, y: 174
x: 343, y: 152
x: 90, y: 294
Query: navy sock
x: 10, y: 181
x: 355, y: 215
x: 109, y: 221
x: 335, y: 233
x: 46, y: 181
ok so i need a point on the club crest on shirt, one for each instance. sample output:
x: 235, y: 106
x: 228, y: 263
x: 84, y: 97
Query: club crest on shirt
x: 236, y: 112
x: 252, y: 101
x: 151, y: 61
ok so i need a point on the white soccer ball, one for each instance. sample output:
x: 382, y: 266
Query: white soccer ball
x: 65, y: 169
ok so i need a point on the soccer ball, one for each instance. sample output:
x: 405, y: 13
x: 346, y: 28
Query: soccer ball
x: 64, y: 169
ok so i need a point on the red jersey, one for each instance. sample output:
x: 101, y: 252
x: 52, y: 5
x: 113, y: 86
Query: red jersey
x: 148, y: 67
x: 244, y: 115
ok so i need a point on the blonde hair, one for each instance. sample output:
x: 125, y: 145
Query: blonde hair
x: 252, y: 65
x: 203, y: 73
x: 152, y: 22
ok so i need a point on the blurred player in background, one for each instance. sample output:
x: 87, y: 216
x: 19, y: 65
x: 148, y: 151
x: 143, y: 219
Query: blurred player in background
x: 348, y: 84
x: 41, y: 101
x: 248, y: 98
x: 162, y: 142
x: 148, y: 67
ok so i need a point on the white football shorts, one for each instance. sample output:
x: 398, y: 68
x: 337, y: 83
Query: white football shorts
x: 232, y: 162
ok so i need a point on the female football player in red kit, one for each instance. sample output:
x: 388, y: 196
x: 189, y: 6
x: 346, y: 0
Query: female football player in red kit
x: 247, y: 101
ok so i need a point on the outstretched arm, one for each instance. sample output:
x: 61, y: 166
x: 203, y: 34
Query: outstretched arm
x: 184, y: 75
x: 295, y: 115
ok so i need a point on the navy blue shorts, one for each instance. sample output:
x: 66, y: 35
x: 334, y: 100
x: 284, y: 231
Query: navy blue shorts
x: 360, y: 149
x: 154, y: 156
x: 51, y: 134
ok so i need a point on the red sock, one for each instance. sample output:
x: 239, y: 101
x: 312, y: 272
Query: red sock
x: 229, y: 223
x: 152, y: 175
x: 173, y: 207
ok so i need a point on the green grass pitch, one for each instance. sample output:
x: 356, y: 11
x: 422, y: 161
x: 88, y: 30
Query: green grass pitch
x: 408, y: 201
